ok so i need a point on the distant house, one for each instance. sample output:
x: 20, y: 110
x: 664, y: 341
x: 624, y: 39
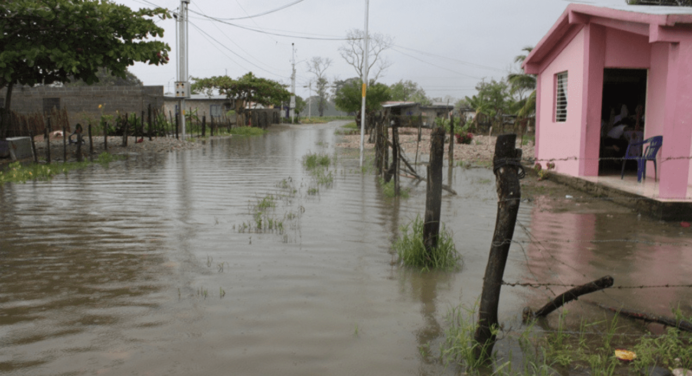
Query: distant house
x: 595, y: 59
x: 216, y: 105
x: 413, y: 109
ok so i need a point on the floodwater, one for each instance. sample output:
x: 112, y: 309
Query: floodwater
x: 146, y: 268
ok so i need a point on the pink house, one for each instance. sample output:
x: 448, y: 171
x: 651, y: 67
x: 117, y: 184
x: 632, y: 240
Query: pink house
x: 595, y: 60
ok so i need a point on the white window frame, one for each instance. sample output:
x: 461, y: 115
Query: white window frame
x: 561, y: 96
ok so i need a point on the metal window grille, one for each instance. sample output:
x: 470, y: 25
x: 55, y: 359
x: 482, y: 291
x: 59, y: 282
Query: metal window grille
x: 215, y: 110
x: 561, y: 97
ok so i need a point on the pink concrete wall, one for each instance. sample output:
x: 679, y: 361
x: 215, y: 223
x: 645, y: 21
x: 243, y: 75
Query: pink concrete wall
x: 626, y: 50
x: 677, y: 124
x: 656, y: 96
x: 594, y: 57
x: 562, y: 140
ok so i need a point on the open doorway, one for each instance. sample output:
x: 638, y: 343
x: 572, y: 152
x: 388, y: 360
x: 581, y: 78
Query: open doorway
x: 624, y: 96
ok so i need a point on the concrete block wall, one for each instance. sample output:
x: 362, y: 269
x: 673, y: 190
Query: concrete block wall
x: 82, y: 102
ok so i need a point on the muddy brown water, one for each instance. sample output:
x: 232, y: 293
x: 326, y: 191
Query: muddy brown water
x: 143, y: 268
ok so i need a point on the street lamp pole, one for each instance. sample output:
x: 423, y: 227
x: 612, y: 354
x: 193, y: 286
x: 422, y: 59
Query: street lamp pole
x: 365, y: 84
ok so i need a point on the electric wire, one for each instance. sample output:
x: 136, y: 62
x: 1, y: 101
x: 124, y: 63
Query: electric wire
x: 237, y: 45
x: 263, y: 13
x: 453, y: 59
x: 267, y: 32
x: 435, y: 65
x: 235, y: 53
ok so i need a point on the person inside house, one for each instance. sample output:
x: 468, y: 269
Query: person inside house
x: 616, y: 137
x: 77, y: 131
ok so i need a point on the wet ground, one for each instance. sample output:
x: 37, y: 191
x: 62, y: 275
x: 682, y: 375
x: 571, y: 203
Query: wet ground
x: 148, y: 268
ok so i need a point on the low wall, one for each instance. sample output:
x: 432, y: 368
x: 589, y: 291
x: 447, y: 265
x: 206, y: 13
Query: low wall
x: 82, y: 102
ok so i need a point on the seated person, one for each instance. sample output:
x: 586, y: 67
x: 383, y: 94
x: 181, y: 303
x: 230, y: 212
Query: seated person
x: 616, y: 136
x: 77, y: 131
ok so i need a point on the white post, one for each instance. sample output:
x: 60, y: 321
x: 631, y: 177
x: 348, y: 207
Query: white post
x: 183, y: 89
x: 365, y: 85
x: 293, y: 86
x: 310, y: 100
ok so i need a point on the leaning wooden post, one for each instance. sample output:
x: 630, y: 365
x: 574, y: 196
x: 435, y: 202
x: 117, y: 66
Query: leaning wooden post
x: 507, y: 174
x: 420, y: 125
x: 33, y: 146
x: 141, y: 127
x: 126, y: 125
x: 64, y: 144
x: 451, y: 142
x: 211, y: 125
x: 79, y: 147
x: 46, y: 132
x: 433, y: 196
x: 395, y: 159
x: 149, y: 121
x: 91, y: 142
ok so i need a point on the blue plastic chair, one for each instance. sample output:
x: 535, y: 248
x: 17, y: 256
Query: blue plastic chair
x: 634, y: 152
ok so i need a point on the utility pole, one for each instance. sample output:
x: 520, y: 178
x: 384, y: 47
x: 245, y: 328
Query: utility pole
x: 365, y: 85
x: 182, y: 86
x: 293, y: 85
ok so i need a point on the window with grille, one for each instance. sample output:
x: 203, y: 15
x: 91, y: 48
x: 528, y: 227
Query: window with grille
x: 215, y: 110
x: 561, y: 97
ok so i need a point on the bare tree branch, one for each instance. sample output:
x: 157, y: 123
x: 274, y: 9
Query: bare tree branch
x: 353, y: 53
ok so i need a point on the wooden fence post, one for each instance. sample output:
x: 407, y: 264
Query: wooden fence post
x: 64, y: 144
x: 204, y: 125
x: 149, y: 121
x: 211, y: 125
x: 395, y: 155
x: 91, y: 142
x: 33, y: 146
x: 79, y: 146
x: 105, y: 136
x: 176, y: 127
x: 48, y: 131
x: 141, y: 127
x: 126, y: 126
x: 433, y: 196
x: 507, y: 173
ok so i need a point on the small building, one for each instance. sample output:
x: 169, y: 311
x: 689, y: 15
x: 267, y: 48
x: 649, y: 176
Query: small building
x: 414, y: 110
x: 595, y: 61
x: 203, y: 105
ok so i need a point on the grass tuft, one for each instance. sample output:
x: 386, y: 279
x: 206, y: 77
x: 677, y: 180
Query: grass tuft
x: 314, y: 161
x: 247, y: 131
x: 412, y: 252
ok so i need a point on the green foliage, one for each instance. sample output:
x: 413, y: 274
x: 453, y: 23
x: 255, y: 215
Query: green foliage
x: 60, y: 40
x: 412, y: 252
x: 18, y: 173
x: 300, y: 104
x: 492, y: 99
x: 409, y: 91
x: 663, y: 351
x: 105, y: 78
x: 350, y: 97
x: 459, y: 345
x: 248, y: 88
x: 388, y: 189
x: 247, y: 131
x: 315, y: 161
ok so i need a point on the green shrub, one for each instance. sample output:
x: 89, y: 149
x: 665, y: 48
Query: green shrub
x: 412, y: 252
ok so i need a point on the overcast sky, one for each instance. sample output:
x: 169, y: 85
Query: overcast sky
x: 446, y: 46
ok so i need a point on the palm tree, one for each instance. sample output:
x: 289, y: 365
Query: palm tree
x: 520, y: 83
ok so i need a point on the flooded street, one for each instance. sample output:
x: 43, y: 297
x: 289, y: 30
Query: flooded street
x: 147, y: 267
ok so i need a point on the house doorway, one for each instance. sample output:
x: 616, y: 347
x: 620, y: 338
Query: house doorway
x: 623, y: 91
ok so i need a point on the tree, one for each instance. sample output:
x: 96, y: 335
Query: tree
x: 409, y: 91
x: 318, y: 66
x: 493, y: 99
x: 350, y: 99
x: 522, y: 83
x: 105, y: 78
x: 45, y: 41
x: 245, y: 90
x: 300, y: 104
x: 353, y: 51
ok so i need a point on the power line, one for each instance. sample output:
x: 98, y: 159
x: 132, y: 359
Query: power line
x: 267, y: 32
x: 435, y: 65
x: 233, y: 52
x: 453, y: 59
x: 236, y: 44
x: 263, y: 13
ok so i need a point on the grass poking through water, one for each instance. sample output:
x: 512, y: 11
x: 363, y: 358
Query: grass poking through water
x: 412, y: 252
x: 247, y: 131
x: 19, y: 173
